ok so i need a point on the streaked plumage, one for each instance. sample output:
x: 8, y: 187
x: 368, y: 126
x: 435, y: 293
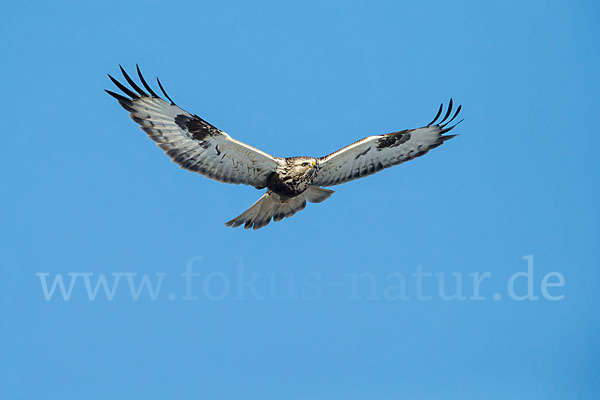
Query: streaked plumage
x: 198, y: 146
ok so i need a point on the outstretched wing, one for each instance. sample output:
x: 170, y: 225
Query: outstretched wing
x: 375, y: 153
x: 192, y: 142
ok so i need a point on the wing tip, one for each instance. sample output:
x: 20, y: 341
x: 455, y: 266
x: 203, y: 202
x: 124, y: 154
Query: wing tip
x: 116, y: 95
x: 144, y: 83
x: 448, y: 129
x: 140, y: 92
x: 437, y: 115
x: 445, y: 121
x: 164, y: 92
x: 132, y: 83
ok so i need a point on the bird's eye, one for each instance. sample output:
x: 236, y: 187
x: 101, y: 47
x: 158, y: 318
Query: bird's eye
x: 305, y: 164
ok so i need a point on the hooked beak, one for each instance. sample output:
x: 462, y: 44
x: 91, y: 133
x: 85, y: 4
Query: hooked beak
x: 313, y: 164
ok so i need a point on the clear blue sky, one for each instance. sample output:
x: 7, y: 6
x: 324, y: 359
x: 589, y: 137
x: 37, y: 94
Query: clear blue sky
x: 311, y: 307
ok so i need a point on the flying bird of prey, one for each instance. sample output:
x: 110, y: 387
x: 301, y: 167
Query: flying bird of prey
x: 198, y: 146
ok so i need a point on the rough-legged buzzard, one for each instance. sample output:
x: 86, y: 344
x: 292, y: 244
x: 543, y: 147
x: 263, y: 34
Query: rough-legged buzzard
x: 198, y: 146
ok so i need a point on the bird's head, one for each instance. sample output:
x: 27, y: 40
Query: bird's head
x: 304, y: 166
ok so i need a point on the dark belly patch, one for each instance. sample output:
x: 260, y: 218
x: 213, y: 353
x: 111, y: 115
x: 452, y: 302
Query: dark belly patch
x: 283, y: 189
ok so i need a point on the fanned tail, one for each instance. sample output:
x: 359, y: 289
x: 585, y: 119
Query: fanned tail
x: 269, y: 207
